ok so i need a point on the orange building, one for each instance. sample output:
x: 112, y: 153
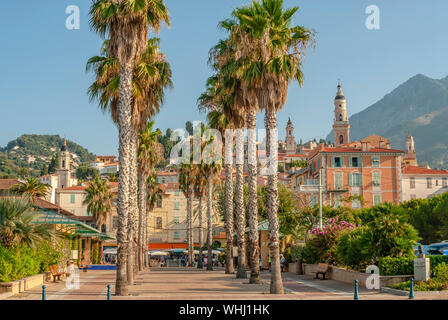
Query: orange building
x: 354, y: 174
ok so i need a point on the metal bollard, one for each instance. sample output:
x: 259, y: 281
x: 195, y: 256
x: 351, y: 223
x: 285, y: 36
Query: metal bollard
x: 411, y: 289
x: 44, y: 297
x: 356, y: 297
x: 108, y: 292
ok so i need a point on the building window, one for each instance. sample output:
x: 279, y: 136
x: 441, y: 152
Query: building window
x: 338, y: 180
x: 376, y: 161
x: 376, y: 199
x: 176, y: 220
x: 437, y: 183
x: 376, y: 179
x: 337, y: 162
x: 341, y: 139
x: 159, y: 203
x: 354, y: 162
x: 176, y: 192
x: 176, y: 235
x: 444, y: 182
x: 337, y: 201
x: 412, y: 182
x: 356, y: 204
x: 355, y: 179
x: 340, y: 117
x: 176, y: 205
x: 159, y: 223
x: 63, y: 164
x: 72, y: 198
x: 429, y: 183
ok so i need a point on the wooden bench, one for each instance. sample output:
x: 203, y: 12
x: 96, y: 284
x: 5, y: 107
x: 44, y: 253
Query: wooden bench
x: 55, y: 273
x: 322, y: 269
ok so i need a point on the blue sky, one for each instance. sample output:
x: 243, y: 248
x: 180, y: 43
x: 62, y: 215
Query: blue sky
x: 43, y: 83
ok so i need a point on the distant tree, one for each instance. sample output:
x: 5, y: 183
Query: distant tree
x: 53, y: 164
x: 189, y: 127
x: 86, y: 172
x: 281, y: 168
x: 299, y: 163
x: 44, y: 170
x: 23, y: 172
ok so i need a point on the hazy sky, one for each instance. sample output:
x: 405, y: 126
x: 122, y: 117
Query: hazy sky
x: 43, y: 81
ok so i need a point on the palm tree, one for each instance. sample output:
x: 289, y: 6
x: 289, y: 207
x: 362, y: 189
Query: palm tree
x: 199, y: 192
x: 32, y: 187
x: 127, y: 24
x: 18, y: 224
x: 150, y: 153
x: 223, y: 93
x: 99, y: 200
x: 218, y: 120
x: 272, y: 58
x: 186, y: 183
x: 153, y: 194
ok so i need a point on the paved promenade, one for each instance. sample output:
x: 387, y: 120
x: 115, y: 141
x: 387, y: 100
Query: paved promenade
x: 193, y: 284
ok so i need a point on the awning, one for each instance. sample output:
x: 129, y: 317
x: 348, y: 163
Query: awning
x: 68, y: 225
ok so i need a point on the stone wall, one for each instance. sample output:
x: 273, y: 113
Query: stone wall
x: 349, y: 276
x: 16, y: 287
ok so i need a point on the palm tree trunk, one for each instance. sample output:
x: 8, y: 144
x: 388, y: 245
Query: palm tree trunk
x: 133, y: 199
x: 209, y: 224
x: 253, y: 206
x: 201, y: 234
x: 272, y: 200
x: 125, y: 135
x: 229, y: 217
x: 141, y: 219
x: 190, y: 229
x: 240, y: 211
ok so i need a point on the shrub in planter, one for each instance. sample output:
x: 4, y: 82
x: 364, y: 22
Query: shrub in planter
x: 322, y: 247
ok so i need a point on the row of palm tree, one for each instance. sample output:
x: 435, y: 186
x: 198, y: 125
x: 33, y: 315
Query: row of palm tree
x: 131, y: 77
x: 254, y: 66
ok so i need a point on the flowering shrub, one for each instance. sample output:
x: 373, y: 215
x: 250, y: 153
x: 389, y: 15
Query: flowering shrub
x: 323, y: 245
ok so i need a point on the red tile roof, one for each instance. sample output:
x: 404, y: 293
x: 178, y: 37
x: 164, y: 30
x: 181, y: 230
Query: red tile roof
x: 322, y: 148
x: 423, y: 171
x: 73, y: 188
x: 6, y: 184
x: 44, y: 204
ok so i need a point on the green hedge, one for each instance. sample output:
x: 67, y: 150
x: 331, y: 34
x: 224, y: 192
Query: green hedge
x: 392, y: 266
x: 19, y: 263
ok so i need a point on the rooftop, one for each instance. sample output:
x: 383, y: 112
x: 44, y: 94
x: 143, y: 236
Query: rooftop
x: 421, y: 170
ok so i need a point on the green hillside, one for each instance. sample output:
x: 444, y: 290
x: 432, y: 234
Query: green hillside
x: 33, y: 152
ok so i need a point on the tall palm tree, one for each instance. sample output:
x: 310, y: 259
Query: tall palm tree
x: 18, y: 224
x: 199, y: 192
x: 150, y: 153
x: 99, y: 200
x: 32, y: 187
x: 269, y: 63
x: 153, y: 194
x: 126, y: 23
x: 186, y: 183
x: 225, y: 93
x: 218, y: 120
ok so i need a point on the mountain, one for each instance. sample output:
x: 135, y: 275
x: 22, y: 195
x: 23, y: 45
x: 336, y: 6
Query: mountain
x: 32, y: 152
x: 419, y: 107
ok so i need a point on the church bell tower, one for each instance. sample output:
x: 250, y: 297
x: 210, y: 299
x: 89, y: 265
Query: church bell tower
x: 63, y: 171
x: 341, y: 124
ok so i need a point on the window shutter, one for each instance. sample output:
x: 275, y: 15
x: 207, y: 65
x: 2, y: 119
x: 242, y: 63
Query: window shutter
x: 342, y: 161
x: 350, y: 179
x: 360, y: 179
x: 350, y: 162
x: 332, y: 162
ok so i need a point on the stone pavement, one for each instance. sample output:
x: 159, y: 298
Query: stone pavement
x: 193, y: 284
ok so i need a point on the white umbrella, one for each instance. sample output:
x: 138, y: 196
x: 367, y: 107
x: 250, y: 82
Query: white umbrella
x: 158, y: 253
x: 110, y: 251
